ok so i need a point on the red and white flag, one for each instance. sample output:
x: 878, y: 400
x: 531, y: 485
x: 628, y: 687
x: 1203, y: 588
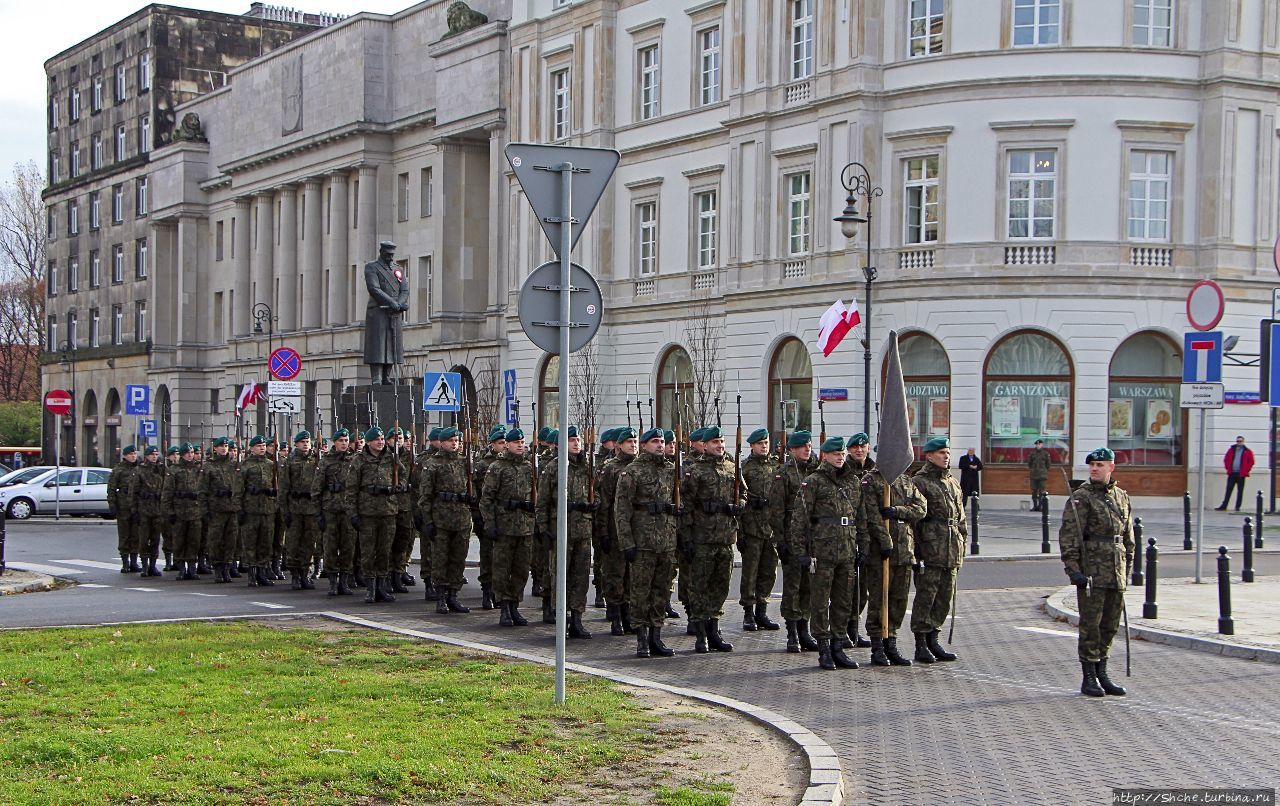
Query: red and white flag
x: 249, y: 396
x: 835, y: 324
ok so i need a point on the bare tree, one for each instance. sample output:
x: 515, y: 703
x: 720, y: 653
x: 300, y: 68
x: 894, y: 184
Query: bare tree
x: 704, y: 334
x: 22, y: 282
x: 585, y: 386
x: 488, y: 403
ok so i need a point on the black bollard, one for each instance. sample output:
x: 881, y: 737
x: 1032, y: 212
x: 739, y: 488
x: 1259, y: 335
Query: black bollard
x: 1044, y: 523
x: 974, y: 507
x: 1257, y: 522
x: 1137, y: 549
x: 1187, y: 545
x: 1149, y: 608
x: 1226, y: 626
x: 1246, y: 573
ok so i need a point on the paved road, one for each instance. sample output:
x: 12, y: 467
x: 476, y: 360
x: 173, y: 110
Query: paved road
x: 1004, y: 725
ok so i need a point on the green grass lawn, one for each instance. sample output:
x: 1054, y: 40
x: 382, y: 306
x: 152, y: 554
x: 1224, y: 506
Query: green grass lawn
x: 240, y: 712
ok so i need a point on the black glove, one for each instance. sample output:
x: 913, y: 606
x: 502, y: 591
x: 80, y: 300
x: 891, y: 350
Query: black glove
x: 736, y: 509
x: 606, y: 545
x: 491, y: 532
x: 321, y: 521
x: 591, y: 506
x: 242, y: 518
x: 803, y: 561
x: 173, y: 519
x: 630, y: 554
x: 428, y: 530
x: 784, y: 552
x: 1078, y: 579
x: 687, y: 550
x: 918, y: 567
x: 355, y: 521
x: 288, y: 520
x: 886, y: 553
x: 417, y: 521
x: 542, y: 538
x: 890, y: 512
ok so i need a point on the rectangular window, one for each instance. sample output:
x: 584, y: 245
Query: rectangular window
x: 707, y: 205
x: 117, y: 324
x: 650, y: 82
x: 801, y: 39
x: 1149, y: 178
x: 920, y: 195
x: 95, y: 210
x: 51, y: 224
x: 217, y: 241
x: 73, y: 331
x: 73, y: 218
x: 140, y: 259
x: 424, y: 192
x: 74, y: 104
x: 53, y: 109
x: 233, y: 237
x: 140, y: 320
x: 560, y: 112
x: 95, y: 97
x: 798, y: 213
x: 117, y: 204
x: 120, y: 85
x: 55, y: 167
x: 75, y: 158
x: 95, y: 152
x: 709, y: 66
x: 52, y: 330
x: 1032, y: 193
x: 120, y: 142
x: 117, y: 263
x: 51, y: 278
x: 647, y: 239
x: 93, y: 327
x: 73, y: 275
x: 402, y: 197
x: 1153, y: 23
x: 144, y: 134
x: 141, y: 200
x: 144, y: 71
x: 95, y: 269
x: 1035, y: 22
x: 924, y: 28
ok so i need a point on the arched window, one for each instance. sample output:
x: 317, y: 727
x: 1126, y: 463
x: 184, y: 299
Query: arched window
x: 113, y: 427
x: 676, y: 370
x: 790, y: 388
x: 549, y: 393
x: 926, y: 373
x: 89, y: 423
x: 1029, y: 389
x: 1145, y: 424
x: 164, y: 407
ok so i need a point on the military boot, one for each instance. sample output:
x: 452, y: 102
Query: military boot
x: 807, y: 642
x: 359, y: 578
x: 599, y: 602
x: 748, y: 618
x: 277, y: 569
x: 516, y: 618
x: 671, y: 611
x: 407, y: 579
x: 264, y: 576
x: 344, y: 589
x: 305, y: 577
x: 152, y: 571
x: 575, y: 629
x: 615, y: 620
x: 504, y: 615
x: 878, y: 658
x: 333, y: 584
x: 393, y: 583
x: 1105, y: 682
x: 451, y: 601
x: 168, y: 561
x: 714, y: 639
x: 642, y: 641
x: 190, y: 572
x: 625, y: 613
x: 486, y: 595
x: 124, y: 563
x: 762, y: 617
x: 202, y: 566
x: 442, y: 606
x: 429, y: 589
x: 842, y: 660
x: 233, y: 570
x: 824, y: 655
x: 385, y: 591
x: 690, y: 629
x: 133, y: 563
x: 656, y: 647
x: 700, y: 630
x: 936, y: 649
x: 793, y: 640
x: 891, y: 652
x: 253, y: 577
x: 371, y: 595
x: 295, y: 581
x: 548, y: 611
x: 856, y: 637
x: 1089, y: 685
x: 923, y: 655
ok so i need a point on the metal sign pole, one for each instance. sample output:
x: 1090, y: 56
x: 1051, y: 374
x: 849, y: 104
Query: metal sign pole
x: 57, y: 466
x: 562, y: 469
x: 1200, y: 497
x: 1272, y: 440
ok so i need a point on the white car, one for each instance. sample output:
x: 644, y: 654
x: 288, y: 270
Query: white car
x: 74, y: 491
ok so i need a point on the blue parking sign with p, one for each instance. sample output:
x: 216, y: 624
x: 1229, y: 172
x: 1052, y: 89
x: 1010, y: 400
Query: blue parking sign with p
x: 513, y: 412
x: 149, y: 428
x: 137, y: 399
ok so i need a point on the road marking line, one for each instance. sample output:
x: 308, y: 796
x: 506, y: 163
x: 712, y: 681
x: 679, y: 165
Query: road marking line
x: 115, y: 566
x: 51, y: 570
x: 193, y: 593
x: 144, y: 590
x: 91, y: 585
x: 1043, y: 631
x: 273, y: 605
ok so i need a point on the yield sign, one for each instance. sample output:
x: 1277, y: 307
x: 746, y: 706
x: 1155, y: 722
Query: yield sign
x: 538, y: 169
x: 285, y: 363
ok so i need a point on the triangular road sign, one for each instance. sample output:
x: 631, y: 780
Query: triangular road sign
x: 537, y: 167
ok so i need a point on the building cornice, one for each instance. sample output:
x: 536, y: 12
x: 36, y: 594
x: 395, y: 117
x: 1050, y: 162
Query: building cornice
x: 1044, y: 123
x: 336, y: 134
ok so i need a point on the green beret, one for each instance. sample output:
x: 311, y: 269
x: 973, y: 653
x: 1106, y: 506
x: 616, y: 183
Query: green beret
x: 433, y: 434
x: 573, y: 431
x: 651, y: 434
x: 221, y: 441
x: 449, y: 433
x: 624, y: 433
x: 514, y: 435
x: 695, y: 435
x: 833, y: 445
x: 799, y: 439
x: 712, y: 432
x: 669, y: 435
x: 608, y: 435
x: 498, y: 432
x: 859, y: 438
x: 757, y: 435
x: 301, y: 435
x: 553, y: 436
x: 936, y: 444
x: 258, y: 440
x: 340, y: 433
x: 173, y: 449
x: 374, y: 433
x: 128, y: 449
x: 150, y: 450
x: 544, y: 433
x: 187, y: 447
x: 1100, y: 455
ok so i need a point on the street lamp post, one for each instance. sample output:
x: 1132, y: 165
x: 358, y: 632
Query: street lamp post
x: 856, y: 180
x: 68, y: 350
x: 262, y: 313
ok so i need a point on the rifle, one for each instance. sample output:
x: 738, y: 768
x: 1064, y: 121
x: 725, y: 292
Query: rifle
x: 651, y: 422
x: 533, y: 484
x: 822, y: 424
x: 466, y: 438
x: 590, y: 450
x: 675, y: 488
x: 628, y: 404
x: 717, y: 405
x: 782, y: 426
x: 737, y: 457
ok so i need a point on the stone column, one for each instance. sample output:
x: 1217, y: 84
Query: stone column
x: 241, y: 290
x: 312, y: 275
x: 338, y: 261
x: 263, y: 251
x: 287, y: 269
x: 367, y: 233
x: 188, y: 304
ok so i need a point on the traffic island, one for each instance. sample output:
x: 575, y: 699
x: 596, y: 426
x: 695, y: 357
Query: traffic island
x: 15, y: 581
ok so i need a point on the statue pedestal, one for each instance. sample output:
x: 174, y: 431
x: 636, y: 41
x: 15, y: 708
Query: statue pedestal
x: 383, y: 405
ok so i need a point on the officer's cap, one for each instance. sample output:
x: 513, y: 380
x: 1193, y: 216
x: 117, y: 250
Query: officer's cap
x: 374, y: 433
x: 301, y: 435
x: 859, y: 438
x: 515, y: 435
x: 936, y: 444
x: 669, y: 436
x: 833, y: 445
x: 498, y: 432
x: 712, y: 432
x: 128, y: 449
x: 624, y: 433
x: 651, y: 434
x: 799, y: 439
x: 758, y: 435
x: 340, y: 433
x: 449, y: 432
x: 150, y: 450
x: 258, y: 440
x: 386, y: 246
x: 221, y: 441
x: 1100, y: 455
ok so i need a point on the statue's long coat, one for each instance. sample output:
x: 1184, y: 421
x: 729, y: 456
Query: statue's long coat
x: 383, y: 341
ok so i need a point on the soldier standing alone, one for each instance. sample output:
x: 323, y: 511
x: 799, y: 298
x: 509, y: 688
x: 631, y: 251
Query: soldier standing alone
x: 940, y: 543
x: 1038, y: 464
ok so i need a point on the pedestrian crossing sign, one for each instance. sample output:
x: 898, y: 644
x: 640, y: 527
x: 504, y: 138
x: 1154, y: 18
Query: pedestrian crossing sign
x: 443, y: 391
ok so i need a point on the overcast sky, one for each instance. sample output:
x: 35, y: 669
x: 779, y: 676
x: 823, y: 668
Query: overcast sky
x: 34, y: 31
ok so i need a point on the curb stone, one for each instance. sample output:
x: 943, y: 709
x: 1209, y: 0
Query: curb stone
x: 826, y: 779
x: 1056, y: 606
x: 42, y: 582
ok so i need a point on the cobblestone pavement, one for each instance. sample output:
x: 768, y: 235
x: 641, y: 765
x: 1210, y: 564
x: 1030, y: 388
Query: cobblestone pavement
x: 1005, y: 724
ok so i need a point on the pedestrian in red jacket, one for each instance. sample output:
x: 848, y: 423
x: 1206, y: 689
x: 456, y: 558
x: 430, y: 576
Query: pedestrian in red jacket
x: 1238, y: 462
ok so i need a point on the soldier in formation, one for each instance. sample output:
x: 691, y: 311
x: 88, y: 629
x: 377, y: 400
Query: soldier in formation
x: 329, y: 492
x: 613, y: 565
x: 755, y: 543
x: 713, y: 494
x: 372, y: 482
x: 860, y: 464
x: 260, y: 475
x: 507, y: 506
x: 940, y: 544
x: 582, y: 507
x: 297, y: 499
x: 444, y: 501
x: 905, y: 508
x: 645, y: 513
x: 223, y: 493
x: 146, y: 489
x: 121, y: 506
x: 183, y: 499
x: 783, y: 501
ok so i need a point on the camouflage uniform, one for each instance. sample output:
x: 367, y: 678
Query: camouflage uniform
x: 538, y: 558
x: 508, y: 517
x: 782, y: 511
x: 644, y: 521
x: 370, y: 503
x: 910, y: 507
x: 613, y: 565
x: 446, y: 519
x: 861, y: 584
x: 1038, y: 464
x: 581, y: 514
x: 478, y: 471
x: 1103, y: 553
x: 120, y: 505
x: 759, y: 559
x: 328, y: 490
x: 297, y: 499
x: 224, y: 496
x: 406, y: 499
x: 184, y: 502
x: 257, y: 532
x: 711, y: 512
x: 145, y: 490
x: 940, y: 544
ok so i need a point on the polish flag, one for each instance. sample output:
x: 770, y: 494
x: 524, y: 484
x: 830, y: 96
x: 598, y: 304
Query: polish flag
x: 249, y: 396
x: 835, y: 324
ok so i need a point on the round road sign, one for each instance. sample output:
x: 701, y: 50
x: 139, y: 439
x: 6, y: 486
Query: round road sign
x: 539, y: 306
x: 58, y: 401
x: 285, y: 364
x: 1205, y: 305
x: 1275, y: 255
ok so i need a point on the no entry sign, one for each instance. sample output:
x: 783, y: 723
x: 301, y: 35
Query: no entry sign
x: 58, y: 401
